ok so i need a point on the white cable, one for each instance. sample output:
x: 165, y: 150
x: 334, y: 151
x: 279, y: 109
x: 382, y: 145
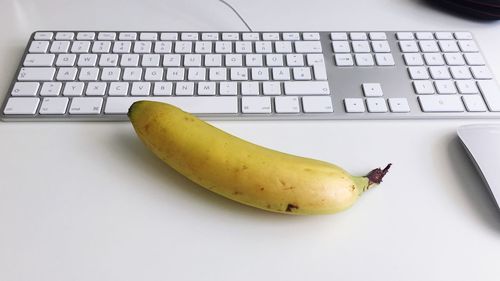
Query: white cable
x: 236, y: 12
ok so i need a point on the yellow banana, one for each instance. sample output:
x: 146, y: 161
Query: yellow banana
x: 242, y: 171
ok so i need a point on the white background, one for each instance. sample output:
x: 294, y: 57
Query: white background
x: 86, y: 201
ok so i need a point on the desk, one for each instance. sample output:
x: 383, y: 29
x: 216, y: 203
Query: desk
x: 87, y: 201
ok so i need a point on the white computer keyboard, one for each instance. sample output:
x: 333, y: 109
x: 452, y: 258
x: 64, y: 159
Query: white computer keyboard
x: 93, y: 75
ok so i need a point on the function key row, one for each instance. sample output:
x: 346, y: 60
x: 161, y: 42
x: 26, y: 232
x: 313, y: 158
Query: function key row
x: 356, y: 36
x: 433, y: 36
x: 186, y: 36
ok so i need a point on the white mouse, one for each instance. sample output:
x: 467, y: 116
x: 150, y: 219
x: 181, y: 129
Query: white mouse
x: 482, y: 143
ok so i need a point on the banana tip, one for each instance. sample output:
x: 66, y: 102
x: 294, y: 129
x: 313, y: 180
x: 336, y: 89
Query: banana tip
x: 376, y: 175
x: 131, y: 108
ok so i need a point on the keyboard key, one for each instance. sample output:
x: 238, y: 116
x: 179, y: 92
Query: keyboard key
x: 250, y: 88
x: 73, y: 89
x: 80, y: 47
x: 101, y: 46
x: 127, y: 36
x: 288, y: 36
x: 467, y: 87
x: 106, y: 36
x: 361, y: 47
x: 228, y: 88
x: 338, y: 36
x: 428, y: 46
x: 319, y: 70
x: 308, y: 47
x: 423, y: 87
x: 399, y: 105
x: 454, y: 59
x: 207, y: 88
x: 474, y: 59
x: 271, y: 88
x: 64, y: 35
x: 463, y: 35
x: 96, y: 89
x: 51, y: 89
x: 25, y: 89
x: 468, y: 46
x: 364, y: 59
x: 314, y: 104
x: 88, y: 60
x: 444, y: 35
x: 168, y: 36
x: 256, y: 104
x: 433, y: 59
x: 255, y: 36
x: 384, y: 59
x: 405, y: 36
x: 381, y: 47
x: 439, y: 72
x: 39, y: 47
x: 481, y: 72
x: 21, y: 105
x: 344, y: 60
x: 474, y: 103
x: 356, y: 36
x: 341, y: 47
x: 118, y: 88
x: 88, y: 74
x: 165, y: 88
x: 307, y: 88
x: 491, y: 94
x: 36, y: 74
x: 282, y: 47
x: 354, y: 105
x: 372, y: 90
x: 441, y: 103
x: 378, y: 36
x: 39, y: 59
x: 274, y: 36
x: 424, y: 36
x: 85, y: 106
x: 376, y: 105
x: 302, y: 73
x: 310, y: 36
x: 413, y: 59
x: 143, y: 88
x: 66, y: 60
x: 232, y: 36
x: 408, y: 46
x: 445, y: 87
x: 148, y: 36
x: 448, y: 46
x: 210, y: 36
x: 460, y: 72
x: 418, y: 73
x: 287, y: 104
x: 43, y: 36
x: 54, y: 105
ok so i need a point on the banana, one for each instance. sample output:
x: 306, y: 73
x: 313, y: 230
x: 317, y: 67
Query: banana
x: 243, y: 171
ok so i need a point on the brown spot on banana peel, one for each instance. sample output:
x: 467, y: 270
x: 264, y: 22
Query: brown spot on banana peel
x: 291, y: 207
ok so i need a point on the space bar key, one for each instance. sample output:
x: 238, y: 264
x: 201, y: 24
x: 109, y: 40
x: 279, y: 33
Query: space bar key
x: 120, y: 105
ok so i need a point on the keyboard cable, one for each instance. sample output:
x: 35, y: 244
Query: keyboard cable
x: 238, y: 14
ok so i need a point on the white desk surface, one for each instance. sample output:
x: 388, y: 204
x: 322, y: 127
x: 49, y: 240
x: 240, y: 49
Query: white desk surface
x: 86, y: 201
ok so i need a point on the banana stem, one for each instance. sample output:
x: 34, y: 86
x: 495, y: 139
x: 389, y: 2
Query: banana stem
x: 376, y: 175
